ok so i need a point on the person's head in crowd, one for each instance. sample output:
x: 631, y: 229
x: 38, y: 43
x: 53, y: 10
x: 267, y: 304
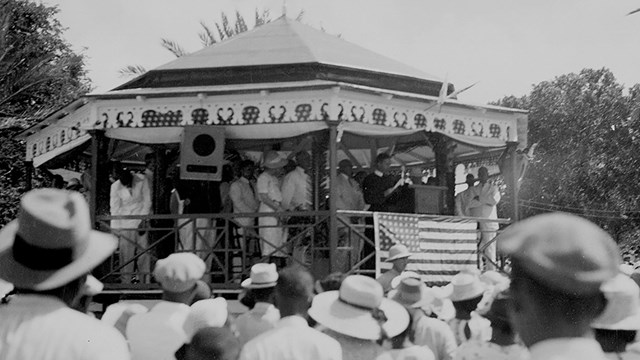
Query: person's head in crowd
x: 247, y: 299
x: 618, y: 325
x: 227, y: 173
x: 202, y: 291
x: 274, y: 163
x: 247, y: 168
x: 211, y: 343
x: 470, y: 180
x: 383, y: 163
x: 359, y: 177
x: 359, y: 310
x: 90, y: 288
x: 502, y: 332
x: 303, y: 160
x: 414, y: 295
x: 205, y: 313
x: 150, y: 162
x: 345, y: 167
x: 58, y: 181
x: 261, y: 282
x: 483, y: 175
x: 467, y: 291
x: 559, y: 262
x: 50, y: 248
x: 289, y: 166
x: 178, y: 275
x: 74, y: 184
x: 294, y: 291
x: 124, y: 175
x: 329, y: 283
x: 399, y: 257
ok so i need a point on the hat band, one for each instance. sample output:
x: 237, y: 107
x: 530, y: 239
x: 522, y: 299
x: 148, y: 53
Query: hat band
x: 378, y: 315
x: 39, y: 258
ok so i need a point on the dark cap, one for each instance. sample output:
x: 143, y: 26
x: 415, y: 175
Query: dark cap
x: 562, y: 251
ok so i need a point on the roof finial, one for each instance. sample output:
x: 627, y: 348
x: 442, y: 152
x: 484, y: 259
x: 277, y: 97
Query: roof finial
x: 284, y: 8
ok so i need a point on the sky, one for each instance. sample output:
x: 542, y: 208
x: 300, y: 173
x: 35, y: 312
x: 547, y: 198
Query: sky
x: 506, y: 46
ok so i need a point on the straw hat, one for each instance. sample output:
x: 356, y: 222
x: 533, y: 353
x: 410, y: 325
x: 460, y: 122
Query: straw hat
x: 398, y: 251
x: 273, y: 160
x: 623, y: 305
x: 262, y: 276
x: 51, y: 242
x: 465, y: 286
x: 179, y: 272
x: 412, y: 293
x: 205, y: 313
x: 404, y: 275
x: 358, y: 309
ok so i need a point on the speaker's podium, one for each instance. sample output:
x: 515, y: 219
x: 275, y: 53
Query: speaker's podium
x: 428, y: 199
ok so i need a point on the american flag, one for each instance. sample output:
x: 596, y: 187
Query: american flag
x: 441, y: 246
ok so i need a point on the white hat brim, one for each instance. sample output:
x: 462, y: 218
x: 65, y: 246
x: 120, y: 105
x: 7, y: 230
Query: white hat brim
x: 399, y: 256
x: 358, y: 323
x: 630, y: 323
x: 248, y: 284
x: 99, y: 247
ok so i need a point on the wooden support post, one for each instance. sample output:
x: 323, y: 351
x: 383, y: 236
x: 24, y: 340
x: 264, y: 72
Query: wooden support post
x: 373, y: 151
x: 100, y: 185
x: 333, y: 218
x: 444, y: 170
x: 512, y: 182
x: 160, y: 203
x: 28, y: 175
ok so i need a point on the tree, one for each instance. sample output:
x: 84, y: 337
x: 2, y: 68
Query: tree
x: 39, y: 72
x: 208, y: 37
x: 38, y: 69
x: 586, y: 161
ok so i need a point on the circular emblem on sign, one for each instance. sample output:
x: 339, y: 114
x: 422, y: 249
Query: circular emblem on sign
x: 204, y: 145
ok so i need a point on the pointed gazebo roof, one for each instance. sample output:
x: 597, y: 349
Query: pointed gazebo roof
x: 287, y: 47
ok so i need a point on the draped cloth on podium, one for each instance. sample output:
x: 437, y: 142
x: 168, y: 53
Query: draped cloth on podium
x: 441, y: 246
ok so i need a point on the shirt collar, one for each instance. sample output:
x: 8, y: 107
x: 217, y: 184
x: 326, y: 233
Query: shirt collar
x: 292, y: 321
x: 37, y: 300
x: 262, y: 307
x: 569, y: 348
x: 378, y: 172
x: 169, y: 306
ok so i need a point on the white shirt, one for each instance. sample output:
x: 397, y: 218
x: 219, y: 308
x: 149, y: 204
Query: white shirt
x: 244, y: 199
x: 296, y: 190
x: 463, y: 200
x: 158, y: 333
x: 480, y: 350
x: 37, y: 327
x: 263, y: 317
x: 488, y: 197
x: 349, y: 194
x: 292, y: 339
x: 567, y: 349
x: 358, y: 349
x: 130, y: 201
x: 436, y: 335
x: 269, y: 185
x: 411, y: 353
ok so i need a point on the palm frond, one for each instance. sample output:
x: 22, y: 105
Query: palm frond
x: 206, y: 36
x: 173, y: 47
x: 132, y: 71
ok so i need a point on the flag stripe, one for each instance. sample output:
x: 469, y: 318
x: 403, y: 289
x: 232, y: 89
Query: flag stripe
x: 441, y: 247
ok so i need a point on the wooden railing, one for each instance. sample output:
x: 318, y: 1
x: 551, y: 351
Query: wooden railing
x: 230, y: 249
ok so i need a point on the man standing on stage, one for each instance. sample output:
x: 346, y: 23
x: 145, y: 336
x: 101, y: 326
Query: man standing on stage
x: 483, y: 205
x: 464, y: 198
x: 381, y: 191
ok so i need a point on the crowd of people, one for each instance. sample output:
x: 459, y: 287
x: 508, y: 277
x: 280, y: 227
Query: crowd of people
x: 565, y: 295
